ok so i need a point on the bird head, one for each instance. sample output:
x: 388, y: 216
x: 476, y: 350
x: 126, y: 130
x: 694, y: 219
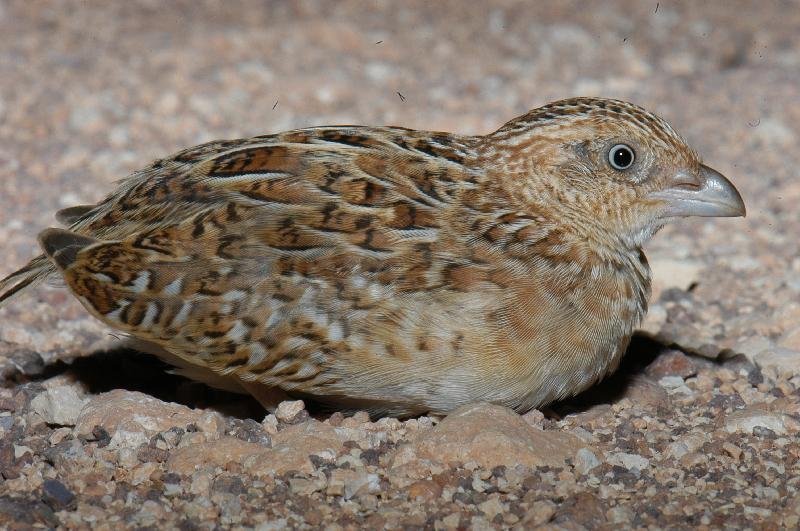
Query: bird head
x: 611, y: 171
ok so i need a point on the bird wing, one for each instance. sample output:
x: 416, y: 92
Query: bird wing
x: 246, y: 253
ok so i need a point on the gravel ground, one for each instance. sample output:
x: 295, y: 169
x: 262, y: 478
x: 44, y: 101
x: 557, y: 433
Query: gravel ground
x: 698, y: 429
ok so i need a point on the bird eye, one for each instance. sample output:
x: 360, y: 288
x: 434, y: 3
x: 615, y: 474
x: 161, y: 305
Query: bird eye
x: 621, y: 157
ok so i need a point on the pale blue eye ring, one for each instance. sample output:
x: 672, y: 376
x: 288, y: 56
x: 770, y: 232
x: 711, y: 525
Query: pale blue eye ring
x: 621, y: 157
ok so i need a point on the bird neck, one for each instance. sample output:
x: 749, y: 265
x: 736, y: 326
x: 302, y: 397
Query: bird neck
x: 545, y: 214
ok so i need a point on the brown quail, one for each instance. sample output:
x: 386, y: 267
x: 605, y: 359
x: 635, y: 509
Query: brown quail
x: 388, y: 269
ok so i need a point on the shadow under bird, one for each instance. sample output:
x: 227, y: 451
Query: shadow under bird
x: 388, y: 269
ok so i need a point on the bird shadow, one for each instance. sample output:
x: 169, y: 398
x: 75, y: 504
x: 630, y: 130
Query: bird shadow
x: 643, y: 350
x: 125, y: 368
x: 131, y: 370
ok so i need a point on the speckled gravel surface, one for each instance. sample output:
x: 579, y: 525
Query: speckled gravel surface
x: 698, y: 429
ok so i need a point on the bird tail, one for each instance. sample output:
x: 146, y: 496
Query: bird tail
x: 40, y: 268
x: 34, y: 273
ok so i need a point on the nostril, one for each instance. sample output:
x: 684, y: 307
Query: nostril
x: 693, y: 186
x: 686, y: 180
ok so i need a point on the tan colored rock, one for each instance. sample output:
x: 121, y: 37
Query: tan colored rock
x: 732, y: 450
x: 671, y: 363
x: 634, y: 462
x: 289, y: 411
x: 673, y: 273
x: 786, y: 405
x: 291, y: 450
x: 293, y: 446
x: 535, y: 418
x: 783, y: 360
x: 131, y: 418
x: 645, y: 392
x: 489, y: 435
x: 60, y: 404
x: 492, y: 507
x: 539, y: 513
x: 753, y: 346
x: 686, y: 444
x: 592, y: 417
x: 425, y: 490
x: 654, y: 319
x: 745, y: 420
x: 213, y: 454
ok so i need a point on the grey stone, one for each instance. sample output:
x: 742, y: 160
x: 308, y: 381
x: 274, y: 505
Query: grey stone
x: 585, y: 461
x: 59, y: 405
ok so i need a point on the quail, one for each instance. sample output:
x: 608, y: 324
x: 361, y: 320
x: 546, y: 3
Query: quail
x: 387, y: 269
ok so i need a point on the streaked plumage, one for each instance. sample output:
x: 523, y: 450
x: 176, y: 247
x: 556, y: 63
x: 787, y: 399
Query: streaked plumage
x: 388, y: 269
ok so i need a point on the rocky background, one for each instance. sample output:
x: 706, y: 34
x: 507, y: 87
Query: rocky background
x: 698, y: 429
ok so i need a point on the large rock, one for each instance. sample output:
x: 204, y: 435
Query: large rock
x: 213, y: 454
x: 291, y: 450
x: 490, y: 436
x: 60, y: 405
x: 783, y: 360
x: 292, y: 447
x: 131, y: 418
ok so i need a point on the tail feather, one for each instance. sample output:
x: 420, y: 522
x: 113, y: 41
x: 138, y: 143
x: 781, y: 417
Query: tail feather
x: 61, y: 247
x: 34, y: 273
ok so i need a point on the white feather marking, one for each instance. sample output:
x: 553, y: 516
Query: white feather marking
x: 272, y: 320
x: 335, y: 331
x: 114, y: 314
x: 318, y: 318
x: 306, y: 371
x: 295, y: 342
x: 141, y: 282
x: 280, y: 365
x: 257, y: 353
x: 182, y: 314
x: 250, y: 177
x: 233, y: 295
x: 149, y: 315
x: 102, y: 277
x: 173, y: 288
x: 375, y: 291
x: 356, y: 341
x: 238, y: 331
x: 415, y: 234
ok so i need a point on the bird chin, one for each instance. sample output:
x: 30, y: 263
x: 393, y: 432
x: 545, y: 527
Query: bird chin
x: 637, y: 238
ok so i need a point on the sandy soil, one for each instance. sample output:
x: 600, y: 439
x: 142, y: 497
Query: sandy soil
x: 699, y: 429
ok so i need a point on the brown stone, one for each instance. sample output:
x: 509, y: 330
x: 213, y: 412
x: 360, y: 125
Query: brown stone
x: 425, y: 490
x: 213, y: 454
x: 584, y: 509
x: 291, y: 451
x: 293, y: 446
x: 291, y: 411
x: 130, y: 418
x: 672, y: 363
x: 644, y: 392
x: 490, y: 436
x: 791, y: 339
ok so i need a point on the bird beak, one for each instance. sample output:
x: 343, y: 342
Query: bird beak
x: 704, y: 193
